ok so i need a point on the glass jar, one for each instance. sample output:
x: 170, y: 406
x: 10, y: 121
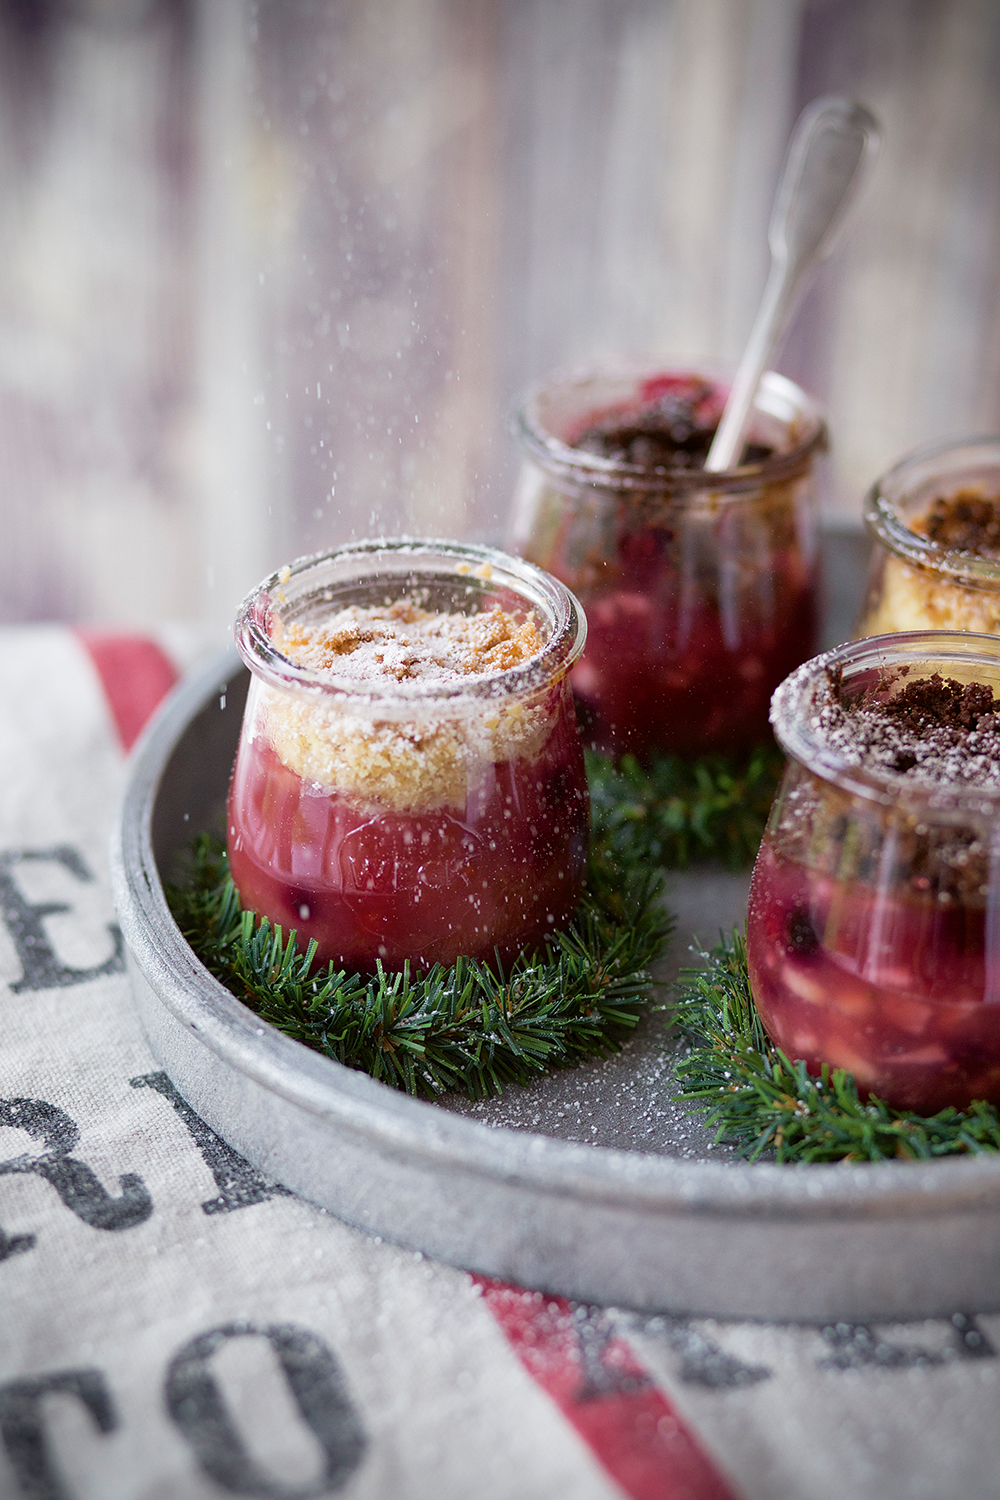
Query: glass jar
x: 415, y: 819
x: 915, y: 583
x: 700, y: 589
x: 873, y: 934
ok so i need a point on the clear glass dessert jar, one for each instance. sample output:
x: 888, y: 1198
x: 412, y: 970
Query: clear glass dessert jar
x: 935, y: 520
x: 700, y: 589
x: 873, y: 934
x: 409, y: 783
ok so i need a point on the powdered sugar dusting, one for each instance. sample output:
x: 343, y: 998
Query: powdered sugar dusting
x: 408, y: 643
x: 403, y: 764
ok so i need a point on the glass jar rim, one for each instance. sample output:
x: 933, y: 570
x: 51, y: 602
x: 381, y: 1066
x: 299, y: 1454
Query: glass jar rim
x: 560, y: 459
x: 888, y: 527
x: 562, y: 610
x: 793, y: 717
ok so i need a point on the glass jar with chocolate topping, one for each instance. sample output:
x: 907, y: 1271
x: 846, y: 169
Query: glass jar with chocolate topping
x: 935, y: 519
x: 873, y: 935
x: 700, y: 589
x: 409, y: 783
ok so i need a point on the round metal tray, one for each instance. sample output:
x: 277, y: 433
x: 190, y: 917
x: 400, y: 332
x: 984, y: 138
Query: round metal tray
x: 641, y: 1228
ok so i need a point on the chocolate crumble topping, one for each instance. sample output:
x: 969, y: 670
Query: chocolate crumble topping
x: 669, y: 433
x: 934, y: 730
x: 966, y: 522
x: 919, y: 734
x: 937, y: 702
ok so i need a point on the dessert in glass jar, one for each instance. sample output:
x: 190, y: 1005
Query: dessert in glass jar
x: 935, y: 519
x: 700, y: 589
x: 409, y: 783
x: 873, y: 934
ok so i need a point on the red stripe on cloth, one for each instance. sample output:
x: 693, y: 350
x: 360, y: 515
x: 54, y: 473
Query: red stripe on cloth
x: 598, y: 1384
x: 135, y: 673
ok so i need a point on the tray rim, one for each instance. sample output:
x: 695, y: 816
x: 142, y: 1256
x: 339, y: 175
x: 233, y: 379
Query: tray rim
x: 406, y: 1127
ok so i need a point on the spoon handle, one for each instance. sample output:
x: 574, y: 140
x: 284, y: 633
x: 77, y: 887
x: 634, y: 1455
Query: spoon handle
x: 833, y: 141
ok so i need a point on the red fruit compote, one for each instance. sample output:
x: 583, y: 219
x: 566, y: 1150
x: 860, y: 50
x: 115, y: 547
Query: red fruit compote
x: 700, y: 589
x: 873, y: 936
x: 409, y: 784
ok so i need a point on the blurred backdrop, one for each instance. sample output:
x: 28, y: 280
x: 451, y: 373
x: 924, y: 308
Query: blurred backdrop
x: 272, y: 272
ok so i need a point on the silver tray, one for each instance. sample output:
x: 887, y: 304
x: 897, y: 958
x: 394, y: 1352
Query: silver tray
x: 590, y: 1183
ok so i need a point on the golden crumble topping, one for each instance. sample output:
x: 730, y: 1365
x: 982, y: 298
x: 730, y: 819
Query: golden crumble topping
x: 416, y: 757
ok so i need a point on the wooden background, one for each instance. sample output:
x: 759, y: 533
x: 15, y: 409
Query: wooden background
x: 272, y: 275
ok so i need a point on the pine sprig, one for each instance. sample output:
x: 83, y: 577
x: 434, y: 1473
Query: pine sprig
x: 677, y: 812
x: 467, y: 1028
x: 761, y: 1101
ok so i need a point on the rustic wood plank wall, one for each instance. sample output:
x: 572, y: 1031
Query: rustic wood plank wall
x: 272, y: 274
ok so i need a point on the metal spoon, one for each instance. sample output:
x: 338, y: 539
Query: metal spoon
x: 833, y: 142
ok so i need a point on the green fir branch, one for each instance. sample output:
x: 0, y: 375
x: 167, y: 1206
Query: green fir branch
x: 468, y: 1028
x: 679, y: 812
x: 761, y: 1101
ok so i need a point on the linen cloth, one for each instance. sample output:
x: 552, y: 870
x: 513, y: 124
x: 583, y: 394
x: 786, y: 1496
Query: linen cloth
x: 176, y: 1326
